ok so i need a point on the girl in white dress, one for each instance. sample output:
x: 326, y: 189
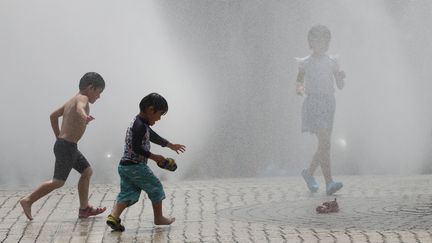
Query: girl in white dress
x: 317, y: 75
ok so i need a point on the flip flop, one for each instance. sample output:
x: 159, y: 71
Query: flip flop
x: 90, y: 211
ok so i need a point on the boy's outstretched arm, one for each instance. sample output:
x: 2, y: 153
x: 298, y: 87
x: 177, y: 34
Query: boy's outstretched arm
x: 54, y: 117
x: 155, y: 138
x: 177, y: 147
x: 81, y: 109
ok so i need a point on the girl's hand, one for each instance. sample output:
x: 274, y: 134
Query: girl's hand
x: 300, y: 89
x: 177, y: 147
x: 340, y: 75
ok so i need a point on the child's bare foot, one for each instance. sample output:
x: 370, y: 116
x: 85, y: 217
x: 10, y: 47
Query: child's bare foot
x: 164, y: 221
x: 26, y: 205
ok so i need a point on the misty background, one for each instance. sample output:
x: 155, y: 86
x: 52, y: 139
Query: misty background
x: 227, y: 70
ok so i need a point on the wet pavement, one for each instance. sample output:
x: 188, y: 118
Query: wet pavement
x: 372, y: 209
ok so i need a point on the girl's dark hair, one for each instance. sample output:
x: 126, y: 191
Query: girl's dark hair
x: 156, y: 100
x: 319, y: 32
x: 91, y: 79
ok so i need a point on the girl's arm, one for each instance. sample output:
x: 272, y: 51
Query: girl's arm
x: 300, y: 82
x: 337, y: 73
x: 339, y: 77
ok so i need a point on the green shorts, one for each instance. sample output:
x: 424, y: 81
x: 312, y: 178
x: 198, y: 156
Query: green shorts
x: 137, y: 178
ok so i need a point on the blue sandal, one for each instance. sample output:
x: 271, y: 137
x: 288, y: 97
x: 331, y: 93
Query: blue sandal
x: 310, y: 181
x: 333, y: 187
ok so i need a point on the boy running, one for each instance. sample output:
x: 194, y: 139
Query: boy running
x: 76, y: 116
x: 135, y: 175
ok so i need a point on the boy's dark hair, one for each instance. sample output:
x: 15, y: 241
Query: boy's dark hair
x: 93, y: 79
x: 156, y: 100
x: 319, y: 32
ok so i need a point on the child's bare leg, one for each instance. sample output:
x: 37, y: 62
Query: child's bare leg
x: 118, y: 209
x: 323, y: 154
x: 41, y: 191
x: 159, y: 219
x: 314, y: 163
x: 322, y: 137
x: 83, y: 187
x: 113, y: 220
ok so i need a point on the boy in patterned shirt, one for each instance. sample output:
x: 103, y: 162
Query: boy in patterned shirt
x: 135, y: 174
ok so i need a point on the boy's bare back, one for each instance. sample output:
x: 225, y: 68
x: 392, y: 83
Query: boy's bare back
x: 75, y: 113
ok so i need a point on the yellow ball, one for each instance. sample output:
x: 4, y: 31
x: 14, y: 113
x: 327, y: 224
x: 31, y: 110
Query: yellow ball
x: 170, y: 161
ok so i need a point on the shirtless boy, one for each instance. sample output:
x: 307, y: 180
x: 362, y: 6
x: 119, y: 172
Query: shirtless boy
x: 75, y: 115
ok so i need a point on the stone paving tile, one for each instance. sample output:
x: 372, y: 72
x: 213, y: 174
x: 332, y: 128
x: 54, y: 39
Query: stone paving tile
x: 373, y: 209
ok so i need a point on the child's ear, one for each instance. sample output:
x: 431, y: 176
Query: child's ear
x: 90, y: 87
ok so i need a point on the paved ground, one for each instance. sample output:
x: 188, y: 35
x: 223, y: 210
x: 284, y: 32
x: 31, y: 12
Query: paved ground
x: 373, y: 209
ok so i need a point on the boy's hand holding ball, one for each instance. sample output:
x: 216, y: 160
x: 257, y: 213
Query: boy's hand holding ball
x: 168, y: 164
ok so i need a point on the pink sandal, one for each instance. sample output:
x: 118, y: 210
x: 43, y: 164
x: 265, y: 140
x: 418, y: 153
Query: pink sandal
x: 90, y: 211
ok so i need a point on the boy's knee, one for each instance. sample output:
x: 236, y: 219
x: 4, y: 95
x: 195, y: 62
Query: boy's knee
x: 87, y: 173
x: 156, y: 196
x: 57, y: 183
